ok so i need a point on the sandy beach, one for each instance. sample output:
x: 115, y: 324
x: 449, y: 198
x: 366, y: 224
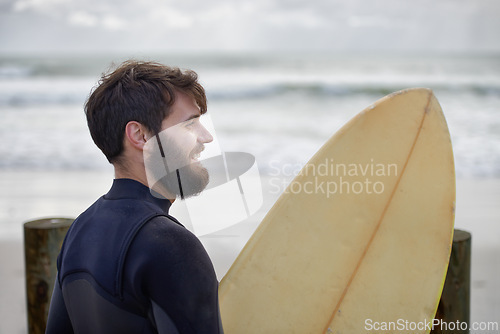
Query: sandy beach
x: 32, y: 195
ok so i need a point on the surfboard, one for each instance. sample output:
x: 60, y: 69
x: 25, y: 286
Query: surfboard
x: 359, y: 241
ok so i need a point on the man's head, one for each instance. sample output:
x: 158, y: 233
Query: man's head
x: 143, y: 92
x: 142, y: 103
x: 171, y: 157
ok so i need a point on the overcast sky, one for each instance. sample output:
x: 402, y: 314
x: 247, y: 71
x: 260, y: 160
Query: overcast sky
x: 248, y: 25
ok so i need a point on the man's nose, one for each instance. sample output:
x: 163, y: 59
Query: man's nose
x: 204, y: 136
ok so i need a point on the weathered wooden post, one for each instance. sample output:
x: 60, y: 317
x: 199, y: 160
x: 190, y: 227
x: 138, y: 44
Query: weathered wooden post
x: 453, y: 311
x: 42, y: 242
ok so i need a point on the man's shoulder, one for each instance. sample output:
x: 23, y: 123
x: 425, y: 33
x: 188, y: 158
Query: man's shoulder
x: 110, y: 226
x: 165, y: 231
x: 163, y: 240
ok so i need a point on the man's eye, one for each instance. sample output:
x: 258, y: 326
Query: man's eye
x: 192, y: 122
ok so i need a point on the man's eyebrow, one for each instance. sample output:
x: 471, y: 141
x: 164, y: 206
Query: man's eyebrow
x: 193, y: 116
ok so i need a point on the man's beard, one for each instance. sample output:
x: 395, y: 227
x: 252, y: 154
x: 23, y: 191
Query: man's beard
x: 175, y: 174
x: 184, y: 182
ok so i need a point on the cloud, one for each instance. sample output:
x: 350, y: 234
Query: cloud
x: 171, y: 17
x: 252, y: 24
x: 83, y: 18
x: 368, y: 21
x: 43, y: 6
x: 112, y: 22
x: 307, y: 19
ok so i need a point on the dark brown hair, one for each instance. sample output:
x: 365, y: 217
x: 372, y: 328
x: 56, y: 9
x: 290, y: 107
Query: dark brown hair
x: 136, y: 91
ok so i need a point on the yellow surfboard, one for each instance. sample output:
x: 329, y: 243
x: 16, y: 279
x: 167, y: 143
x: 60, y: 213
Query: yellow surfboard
x: 359, y: 242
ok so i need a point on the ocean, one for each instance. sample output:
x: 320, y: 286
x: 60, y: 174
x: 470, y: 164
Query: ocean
x: 281, y: 108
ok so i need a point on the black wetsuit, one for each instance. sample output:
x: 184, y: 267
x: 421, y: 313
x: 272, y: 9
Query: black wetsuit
x: 126, y: 266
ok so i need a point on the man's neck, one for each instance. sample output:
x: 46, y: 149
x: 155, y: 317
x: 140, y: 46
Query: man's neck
x: 137, y: 175
x: 130, y: 173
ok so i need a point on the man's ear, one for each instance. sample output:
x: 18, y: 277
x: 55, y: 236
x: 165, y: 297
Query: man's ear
x: 136, y: 135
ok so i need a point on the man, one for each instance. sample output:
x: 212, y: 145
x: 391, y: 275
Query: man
x: 126, y: 266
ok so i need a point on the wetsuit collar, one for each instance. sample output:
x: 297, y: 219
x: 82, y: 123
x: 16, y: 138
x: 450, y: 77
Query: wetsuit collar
x: 132, y: 189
